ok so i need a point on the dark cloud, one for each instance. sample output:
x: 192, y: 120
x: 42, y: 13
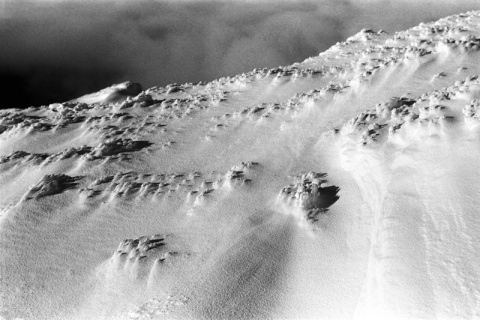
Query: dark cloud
x: 58, y: 50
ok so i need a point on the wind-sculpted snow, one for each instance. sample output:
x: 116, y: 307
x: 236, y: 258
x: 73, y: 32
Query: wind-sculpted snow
x: 140, y: 257
x: 24, y: 157
x: 43, y: 159
x: 107, y: 148
x: 193, y: 186
x: 228, y: 180
x: 50, y: 185
x: 471, y: 110
x: 311, y: 194
x: 426, y: 113
x: 115, y: 146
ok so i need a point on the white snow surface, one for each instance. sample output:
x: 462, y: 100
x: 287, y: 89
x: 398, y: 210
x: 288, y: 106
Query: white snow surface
x: 345, y: 186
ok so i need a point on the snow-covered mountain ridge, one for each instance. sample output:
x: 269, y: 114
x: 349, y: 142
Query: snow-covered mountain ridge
x: 345, y: 186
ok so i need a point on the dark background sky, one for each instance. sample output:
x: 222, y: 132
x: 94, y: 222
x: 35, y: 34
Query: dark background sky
x: 53, y: 51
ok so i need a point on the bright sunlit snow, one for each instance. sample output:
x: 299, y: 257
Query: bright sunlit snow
x: 345, y: 186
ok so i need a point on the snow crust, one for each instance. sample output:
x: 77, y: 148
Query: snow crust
x: 345, y: 186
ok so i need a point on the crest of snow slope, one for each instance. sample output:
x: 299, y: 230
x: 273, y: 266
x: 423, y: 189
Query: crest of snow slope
x: 345, y: 186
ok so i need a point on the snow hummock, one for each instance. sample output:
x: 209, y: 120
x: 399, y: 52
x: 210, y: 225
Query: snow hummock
x: 345, y: 186
x: 116, y: 93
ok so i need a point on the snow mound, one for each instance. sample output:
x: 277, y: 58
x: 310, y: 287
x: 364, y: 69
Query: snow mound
x: 114, y: 94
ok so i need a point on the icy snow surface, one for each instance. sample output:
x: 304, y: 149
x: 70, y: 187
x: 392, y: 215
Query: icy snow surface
x: 345, y: 186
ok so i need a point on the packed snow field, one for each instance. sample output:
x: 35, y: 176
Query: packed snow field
x: 345, y: 186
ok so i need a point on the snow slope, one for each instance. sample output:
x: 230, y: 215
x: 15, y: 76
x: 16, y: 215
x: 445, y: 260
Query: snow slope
x: 345, y: 186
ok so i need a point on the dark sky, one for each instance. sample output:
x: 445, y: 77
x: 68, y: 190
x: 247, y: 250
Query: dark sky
x: 53, y: 51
